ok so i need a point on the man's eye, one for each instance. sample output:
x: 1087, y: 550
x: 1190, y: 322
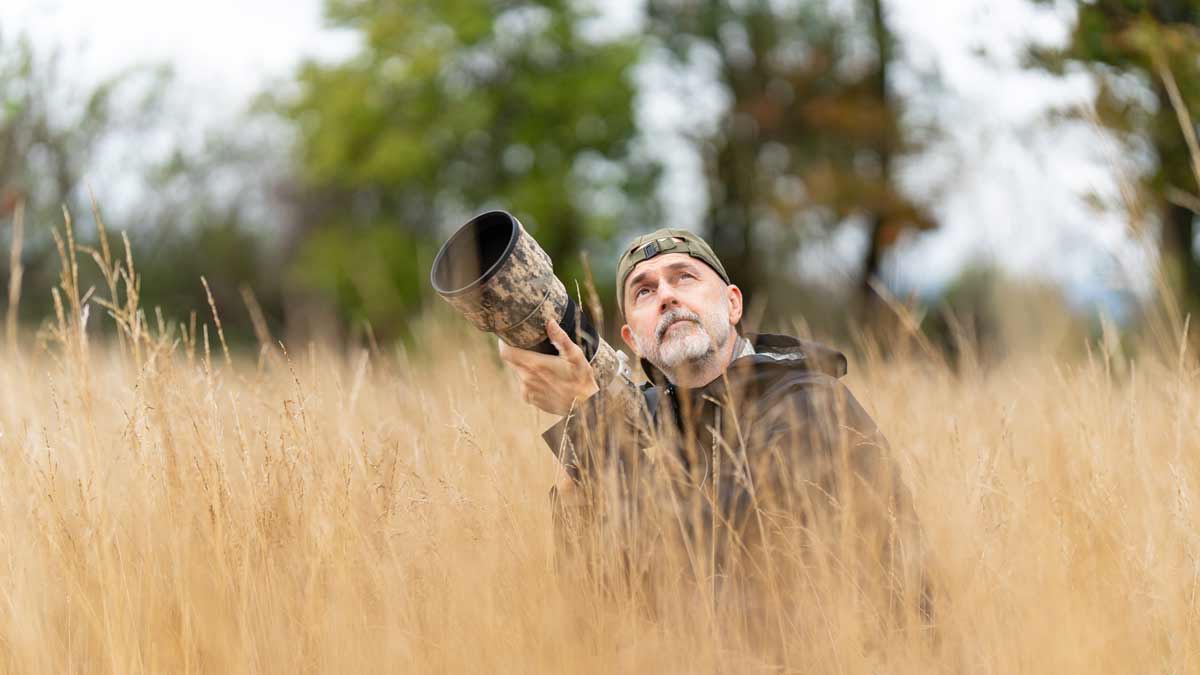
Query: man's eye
x: 641, y: 291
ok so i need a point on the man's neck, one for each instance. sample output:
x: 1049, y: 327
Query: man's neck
x: 699, y: 373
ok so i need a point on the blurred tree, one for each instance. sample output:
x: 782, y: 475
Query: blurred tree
x: 215, y: 214
x: 452, y: 106
x: 50, y: 129
x: 813, y: 132
x: 1129, y: 45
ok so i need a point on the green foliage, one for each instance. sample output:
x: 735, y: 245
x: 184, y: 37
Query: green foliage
x: 228, y: 254
x: 451, y: 107
x: 373, y: 275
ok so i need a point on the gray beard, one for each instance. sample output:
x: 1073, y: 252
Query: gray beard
x: 694, y: 348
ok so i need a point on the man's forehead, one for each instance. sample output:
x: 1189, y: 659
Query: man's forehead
x: 661, y: 261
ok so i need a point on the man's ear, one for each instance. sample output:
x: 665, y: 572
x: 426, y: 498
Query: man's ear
x: 734, y: 294
x: 627, y: 336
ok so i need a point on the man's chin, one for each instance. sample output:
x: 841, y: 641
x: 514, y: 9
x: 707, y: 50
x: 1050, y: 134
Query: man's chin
x: 674, y: 353
x: 675, y: 327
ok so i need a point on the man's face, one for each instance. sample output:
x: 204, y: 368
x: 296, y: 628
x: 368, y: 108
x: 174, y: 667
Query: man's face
x: 678, y: 311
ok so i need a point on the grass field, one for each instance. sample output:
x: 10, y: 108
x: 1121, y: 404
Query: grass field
x: 166, y: 508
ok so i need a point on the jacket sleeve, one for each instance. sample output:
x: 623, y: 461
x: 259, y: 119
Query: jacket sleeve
x: 609, y: 426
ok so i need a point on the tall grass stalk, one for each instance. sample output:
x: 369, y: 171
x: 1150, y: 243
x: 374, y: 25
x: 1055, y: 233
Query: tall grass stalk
x: 15, y: 273
x: 388, y: 511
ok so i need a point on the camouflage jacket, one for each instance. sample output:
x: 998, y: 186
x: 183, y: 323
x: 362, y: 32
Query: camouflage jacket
x: 779, y: 419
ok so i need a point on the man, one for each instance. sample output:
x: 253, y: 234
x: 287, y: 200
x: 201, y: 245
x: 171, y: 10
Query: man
x: 743, y: 426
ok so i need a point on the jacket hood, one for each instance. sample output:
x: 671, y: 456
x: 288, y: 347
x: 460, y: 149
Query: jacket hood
x: 779, y: 349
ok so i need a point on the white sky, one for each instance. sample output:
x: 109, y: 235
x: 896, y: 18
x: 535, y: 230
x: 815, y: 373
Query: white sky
x: 1009, y: 186
x: 222, y: 48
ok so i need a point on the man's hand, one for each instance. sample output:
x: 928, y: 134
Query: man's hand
x: 552, y: 382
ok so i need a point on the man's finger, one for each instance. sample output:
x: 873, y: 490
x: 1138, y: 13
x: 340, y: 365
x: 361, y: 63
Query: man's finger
x: 531, y: 360
x: 562, y: 342
x: 531, y: 366
x: 511, y: 354
x: 515, y: 355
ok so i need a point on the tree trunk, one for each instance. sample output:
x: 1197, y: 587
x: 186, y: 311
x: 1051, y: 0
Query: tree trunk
x: 730, y: 232
x: 730, y: 226
x: 882, y: 38
x: 873, y: 259
x: 1179, y: 233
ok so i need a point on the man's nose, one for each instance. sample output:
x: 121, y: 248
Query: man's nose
x: 666, y: 297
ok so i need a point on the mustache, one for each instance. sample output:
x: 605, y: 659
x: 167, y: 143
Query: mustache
x: 671, y: 317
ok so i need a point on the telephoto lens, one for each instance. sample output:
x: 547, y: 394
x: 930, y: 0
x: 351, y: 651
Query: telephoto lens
x: 498, y: 277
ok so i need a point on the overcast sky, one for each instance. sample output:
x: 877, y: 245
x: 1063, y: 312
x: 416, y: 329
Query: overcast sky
x: 1009, y: 186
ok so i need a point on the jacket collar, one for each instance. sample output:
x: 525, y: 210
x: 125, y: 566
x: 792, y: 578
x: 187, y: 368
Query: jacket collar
x: 769, y: 348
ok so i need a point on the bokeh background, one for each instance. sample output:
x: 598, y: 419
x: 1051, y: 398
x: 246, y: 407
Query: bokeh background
x: 1018, y: 170
x: 1006, y: 190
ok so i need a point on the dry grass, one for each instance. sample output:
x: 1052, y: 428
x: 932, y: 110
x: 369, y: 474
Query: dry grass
x: 164, y: 509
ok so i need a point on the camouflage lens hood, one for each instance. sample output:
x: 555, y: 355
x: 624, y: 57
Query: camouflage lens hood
x: 497, y: 276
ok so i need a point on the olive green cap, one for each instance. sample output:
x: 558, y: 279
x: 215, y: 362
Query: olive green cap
x: 663, y: 241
